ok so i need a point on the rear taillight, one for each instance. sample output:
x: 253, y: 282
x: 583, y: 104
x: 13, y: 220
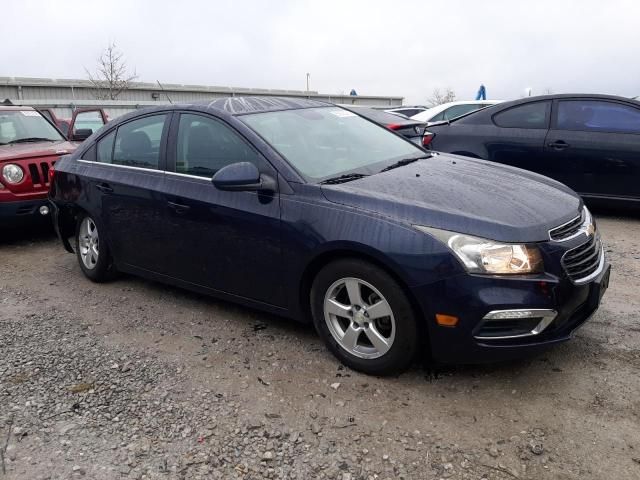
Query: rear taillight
x: 394, y: 126
x: 427, y: 138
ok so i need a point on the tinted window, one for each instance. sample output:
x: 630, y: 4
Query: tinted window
x: 206, y: 145
x: 530, y: 115
x: 137, y: 143
x: 437, y: 118
x: 457, y: 110
x: 598, y: 116
x: 105, y: 148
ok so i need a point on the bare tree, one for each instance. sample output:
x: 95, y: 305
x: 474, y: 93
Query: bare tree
x: 439, y: 97
x: 548, y: 91
x: 112, y: 75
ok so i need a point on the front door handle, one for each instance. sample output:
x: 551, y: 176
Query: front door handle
x: 558, y: 145
x: 104, y: 188
x: 178, y: 207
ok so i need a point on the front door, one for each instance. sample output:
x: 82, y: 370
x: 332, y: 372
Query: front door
x: 598, y: 141
x: 228, y: 241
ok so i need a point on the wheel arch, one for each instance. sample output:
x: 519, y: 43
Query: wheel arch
x: 360, y: 252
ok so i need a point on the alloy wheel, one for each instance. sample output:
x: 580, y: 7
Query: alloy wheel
x: 89, y: 243
x: 359, y: 318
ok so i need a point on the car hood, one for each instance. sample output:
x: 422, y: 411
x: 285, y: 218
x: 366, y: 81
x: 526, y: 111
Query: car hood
x: 19, y: 151
x: 464, y: 195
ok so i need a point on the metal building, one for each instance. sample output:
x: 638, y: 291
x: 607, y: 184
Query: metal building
x: 63, y: 95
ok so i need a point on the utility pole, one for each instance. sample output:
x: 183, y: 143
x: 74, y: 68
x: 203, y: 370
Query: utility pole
x: 308, y: 76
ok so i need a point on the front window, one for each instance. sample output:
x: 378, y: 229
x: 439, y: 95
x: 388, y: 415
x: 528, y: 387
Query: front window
x: 328, y: 141
x: 23, y: 126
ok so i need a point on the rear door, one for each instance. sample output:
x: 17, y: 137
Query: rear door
x: 598, y: 142
x: 517, y: 137
x: 127, y: 173
x: 225, y: 240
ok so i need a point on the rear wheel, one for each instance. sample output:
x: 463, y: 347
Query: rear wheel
x: 364, y: 317
x: 92, y: 251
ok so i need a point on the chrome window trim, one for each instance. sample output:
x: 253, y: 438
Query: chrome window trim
x: 548, y: 316
x: 186, y: 175
x: 91, y: 162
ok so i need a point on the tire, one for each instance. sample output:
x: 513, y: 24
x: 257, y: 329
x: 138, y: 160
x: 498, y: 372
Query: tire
x: 365, y: 334
x: 92, y: 251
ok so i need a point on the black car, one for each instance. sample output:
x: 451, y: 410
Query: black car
x: 589, y: 142
x: 411, y: 129
x: 307, y: 210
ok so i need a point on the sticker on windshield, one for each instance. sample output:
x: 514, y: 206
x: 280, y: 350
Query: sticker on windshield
x: 29, y: 113
x: 343, y: 113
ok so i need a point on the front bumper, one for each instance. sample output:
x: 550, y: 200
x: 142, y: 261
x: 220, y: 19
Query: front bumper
x: 24, y: 212
x: 471, y: 298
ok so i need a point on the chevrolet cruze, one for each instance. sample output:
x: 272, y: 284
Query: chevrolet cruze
x: 307, y: 210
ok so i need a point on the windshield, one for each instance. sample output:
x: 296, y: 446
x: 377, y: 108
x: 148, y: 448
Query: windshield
x: 17, y: 125
x: 324, y: 142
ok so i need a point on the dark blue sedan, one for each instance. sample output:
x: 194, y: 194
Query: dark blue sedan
x: 308, y: 210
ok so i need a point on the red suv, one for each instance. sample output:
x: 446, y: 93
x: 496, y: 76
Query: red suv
x: 30, y: 145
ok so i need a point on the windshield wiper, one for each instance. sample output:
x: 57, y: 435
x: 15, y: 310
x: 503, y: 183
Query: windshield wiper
x: 347, y: 177
x: 32, y: 139
x: 403, y: 162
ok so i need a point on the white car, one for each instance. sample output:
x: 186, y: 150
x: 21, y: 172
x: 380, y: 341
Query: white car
x: 451, y: 110
x: 407, y: 110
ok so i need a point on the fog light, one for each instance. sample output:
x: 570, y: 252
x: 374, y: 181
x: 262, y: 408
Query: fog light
x: 44, y: 210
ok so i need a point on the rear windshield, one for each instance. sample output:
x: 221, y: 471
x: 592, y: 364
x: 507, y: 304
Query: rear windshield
x: 25, y: 125
x: 324, y: 142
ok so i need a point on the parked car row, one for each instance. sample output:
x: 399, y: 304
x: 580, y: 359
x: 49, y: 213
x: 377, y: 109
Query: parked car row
x: 589, y: 142
x: 315, y: 212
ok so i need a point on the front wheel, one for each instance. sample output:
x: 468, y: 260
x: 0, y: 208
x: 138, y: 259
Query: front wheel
x: 364, y: 317
x: 92, y: 251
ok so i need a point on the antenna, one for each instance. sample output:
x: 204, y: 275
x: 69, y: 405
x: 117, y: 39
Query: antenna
x: 163, y: 91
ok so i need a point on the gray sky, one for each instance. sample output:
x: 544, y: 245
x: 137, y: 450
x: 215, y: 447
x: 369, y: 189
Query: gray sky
x: 385, y: 47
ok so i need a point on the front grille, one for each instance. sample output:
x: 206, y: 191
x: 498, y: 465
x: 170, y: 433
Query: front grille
x: 583, y: 261
x: 567, y: 230
x: 40, y: 173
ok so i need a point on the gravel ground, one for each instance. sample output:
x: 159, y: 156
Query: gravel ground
x: 134, y: 379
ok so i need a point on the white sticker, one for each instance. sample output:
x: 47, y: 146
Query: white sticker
x: 343, y: 113
x: 29, y: 113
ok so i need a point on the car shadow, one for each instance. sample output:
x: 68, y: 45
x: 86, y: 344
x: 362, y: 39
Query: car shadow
x: 27, y: 235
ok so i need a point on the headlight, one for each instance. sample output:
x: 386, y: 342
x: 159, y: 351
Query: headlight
x: 480, y: 255
x: 12, y: 173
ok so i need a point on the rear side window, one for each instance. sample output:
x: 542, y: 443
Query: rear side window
x: 206, y: 145
x: 457, y: 110
x: 105, y: 148
x: 137, y: 143
x: 598, y: 116
x: 530, y: 115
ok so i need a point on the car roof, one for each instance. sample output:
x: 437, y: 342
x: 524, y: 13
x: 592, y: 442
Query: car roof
x: 558, y: 96
x: 427, y: 114
x: 243, y: 105
x: 381, y: 116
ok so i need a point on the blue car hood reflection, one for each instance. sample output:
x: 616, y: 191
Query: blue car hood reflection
x: 464, y: 195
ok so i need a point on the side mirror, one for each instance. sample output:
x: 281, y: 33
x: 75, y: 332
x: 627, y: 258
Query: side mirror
x: 81, y: 134
x: 242, y: 176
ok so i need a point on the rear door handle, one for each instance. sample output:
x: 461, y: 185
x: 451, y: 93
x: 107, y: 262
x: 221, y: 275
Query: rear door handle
x: 104, y: 188
x: 178, y: 207
x: 558, y: 145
